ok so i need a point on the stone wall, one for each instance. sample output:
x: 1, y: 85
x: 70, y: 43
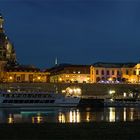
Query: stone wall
x: 87, y: 89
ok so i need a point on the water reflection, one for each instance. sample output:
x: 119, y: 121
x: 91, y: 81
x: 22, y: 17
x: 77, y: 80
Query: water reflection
x: 71, y: 115
x: 10, y: 119
x: 61, y: 118
x: 112, y: 116
x: 37, y: 119
x: 124, y: 114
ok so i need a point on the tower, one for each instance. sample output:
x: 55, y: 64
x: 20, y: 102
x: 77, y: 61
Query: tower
x: 7, y: 52
x: 1, y: 23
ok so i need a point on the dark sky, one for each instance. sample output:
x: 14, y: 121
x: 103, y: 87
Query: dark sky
x: 74, y: 31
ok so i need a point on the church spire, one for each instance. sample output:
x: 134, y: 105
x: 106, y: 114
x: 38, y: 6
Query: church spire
x: 56, y: 61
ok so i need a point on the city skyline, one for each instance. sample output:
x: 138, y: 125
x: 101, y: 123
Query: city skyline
x: 77, y: 32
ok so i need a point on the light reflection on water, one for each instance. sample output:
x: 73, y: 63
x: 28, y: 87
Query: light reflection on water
x: 72, y: 115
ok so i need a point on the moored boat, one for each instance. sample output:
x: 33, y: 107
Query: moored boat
x: 37, y: 99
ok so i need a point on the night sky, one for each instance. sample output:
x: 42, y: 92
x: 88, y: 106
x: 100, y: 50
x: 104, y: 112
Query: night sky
x: 74, y: 31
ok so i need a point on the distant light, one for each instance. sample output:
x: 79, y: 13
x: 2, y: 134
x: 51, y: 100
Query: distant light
x: 8, y: 90
x: 124, y: 94
x: 63, y: 91
x: 110, y: 79
x: 60, y: 79
x: 10, y: 77
x: 38, y: 77
x: 112, y: 92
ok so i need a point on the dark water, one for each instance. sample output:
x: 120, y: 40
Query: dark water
x: 73, y: 115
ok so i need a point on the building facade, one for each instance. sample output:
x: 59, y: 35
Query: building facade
x: 67, y: 73
x: 25, y: 74
x: 115, y: 73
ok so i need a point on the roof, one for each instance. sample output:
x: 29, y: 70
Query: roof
x: 62, y: 66
x: 114, y: 65
x: 26, y: 68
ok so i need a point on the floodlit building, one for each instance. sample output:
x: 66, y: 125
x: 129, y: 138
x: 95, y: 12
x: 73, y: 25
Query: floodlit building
x: 25, y: 74
x: 7, y: 51
x: 67, y: 73
x: 115, y: 72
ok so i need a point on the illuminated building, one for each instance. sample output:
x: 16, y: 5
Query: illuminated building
x: 25, y: 74
x: 67, y: 73
x: 7, y: 52
x: 115, y: 73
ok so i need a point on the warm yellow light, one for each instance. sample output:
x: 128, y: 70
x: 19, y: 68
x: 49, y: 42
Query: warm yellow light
x: 133, y: 80
x: 60, y: 79
x: 10, y: 77
x: 63, y: 91
x: 37, y: 119
x: 112, y: 115
x: 112, y: 92
x: 88, y: 116
x: 61, y: 118
x: 10, y: 119
x: 110, y: 79
x: 38, y: 77
x: 88, y: 78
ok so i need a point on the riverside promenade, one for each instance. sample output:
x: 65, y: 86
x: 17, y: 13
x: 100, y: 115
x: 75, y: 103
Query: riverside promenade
x: 71, y: 131
x: 87, y: 89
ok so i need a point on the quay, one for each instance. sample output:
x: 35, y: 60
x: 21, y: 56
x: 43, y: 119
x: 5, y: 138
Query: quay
x: 87, y: 89
x: 93, y: 95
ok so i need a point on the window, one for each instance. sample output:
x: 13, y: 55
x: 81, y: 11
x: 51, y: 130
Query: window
x: 30, y: 77
x: 98, y: 79
x: 118, y: 72
x: 112, y: 72
x: 102, y: 72
x: 107, y: 72
x: 97, y: 72
x: 22, y: 77
x: 134, y: 72
x: 18, y: 79
x: 127, y: 72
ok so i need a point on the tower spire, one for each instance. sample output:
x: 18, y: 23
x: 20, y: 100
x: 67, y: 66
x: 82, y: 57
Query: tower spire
x: 56, y: 61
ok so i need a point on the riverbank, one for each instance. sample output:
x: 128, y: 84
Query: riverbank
x: 69, y: 131
x: 87, y: 89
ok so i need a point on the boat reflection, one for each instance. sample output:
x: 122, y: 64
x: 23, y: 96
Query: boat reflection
x: 74, y: 115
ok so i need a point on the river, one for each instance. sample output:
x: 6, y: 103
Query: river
x: 69, y: 115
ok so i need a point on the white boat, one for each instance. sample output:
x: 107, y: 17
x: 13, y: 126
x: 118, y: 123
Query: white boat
x: 37, y: 99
